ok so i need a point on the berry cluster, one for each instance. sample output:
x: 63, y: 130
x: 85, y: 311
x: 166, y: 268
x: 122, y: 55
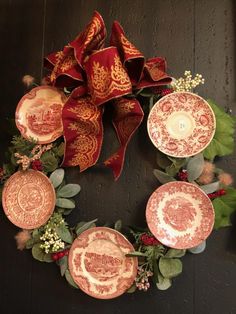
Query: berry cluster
x: 183, y: 175
x: 218, y: 193
x: 166, y: 91
x: 37, y: 165
x: 149, y: 240
x: 59, y: 255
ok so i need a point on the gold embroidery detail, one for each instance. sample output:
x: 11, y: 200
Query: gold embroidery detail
x: 87, y: 130
x: 104, y: 82
x: 128, y: 47
x: 123, y: 107
x: 127, y: 126
x: 111, y: 159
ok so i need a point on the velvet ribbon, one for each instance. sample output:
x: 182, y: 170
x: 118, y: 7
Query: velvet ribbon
x: 99, y: 77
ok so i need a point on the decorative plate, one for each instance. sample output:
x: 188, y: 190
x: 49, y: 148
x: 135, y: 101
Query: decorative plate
x: 38, y: 114
x: 181, y: 124
x: 180, y: 215
x: 28, y: 199
x: 98, y: 264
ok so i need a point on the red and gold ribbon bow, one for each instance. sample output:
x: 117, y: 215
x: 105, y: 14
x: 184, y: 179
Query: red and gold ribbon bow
x: 97, y: 76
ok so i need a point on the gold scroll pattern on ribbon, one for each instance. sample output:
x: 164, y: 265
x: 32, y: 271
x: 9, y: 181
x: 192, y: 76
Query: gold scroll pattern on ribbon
x: 105, y: 81
x: 87, y: 130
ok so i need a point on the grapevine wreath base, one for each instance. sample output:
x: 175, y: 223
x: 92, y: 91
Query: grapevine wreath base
x: 60, y: 124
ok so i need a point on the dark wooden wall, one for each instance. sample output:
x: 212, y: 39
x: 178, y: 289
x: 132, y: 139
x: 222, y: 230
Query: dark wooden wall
x: 192, y: 34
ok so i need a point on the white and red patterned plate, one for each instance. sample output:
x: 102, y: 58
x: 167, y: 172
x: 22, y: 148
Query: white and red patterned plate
x: 180, y: 215
x: 28, y: 199
x: 181, y: 124
x: 98, y: 263
x: 38, y: 114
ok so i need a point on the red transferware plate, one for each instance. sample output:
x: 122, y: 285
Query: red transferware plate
x: 28, y: 199
x: 98, y: 264
x: 180, y: 215
x: 38, y: 114
x: 181, y: 124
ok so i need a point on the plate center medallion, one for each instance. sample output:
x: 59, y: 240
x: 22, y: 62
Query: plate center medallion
x: 180, y: 125
x: 30, y: 197
x: 179, y: 213
x: 103, y: 260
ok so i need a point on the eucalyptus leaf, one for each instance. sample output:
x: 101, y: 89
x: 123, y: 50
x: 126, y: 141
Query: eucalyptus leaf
x: 40, y: 255
x: 210, y: 188
x: 118, y: 225
x: 63, y: 263
x: 162, y: 176
x: 65, y: 203
x: 175, y: 253
x: 81, y: 227
x: 29, y: 244
x: 195, y: 167
x: 57, y: 177
x: 69, y: 190
x: 170, y: 267
x: 132, y: 289
x: 163, y: 283
x: 64, y: 233
x: 70, y: 279
x: 177, y: 164
x: 198, y: 249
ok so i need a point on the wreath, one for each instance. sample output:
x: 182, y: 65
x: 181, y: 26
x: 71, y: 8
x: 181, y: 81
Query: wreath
x: 59, y: 124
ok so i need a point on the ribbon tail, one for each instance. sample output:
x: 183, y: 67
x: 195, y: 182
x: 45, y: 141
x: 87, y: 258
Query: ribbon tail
x: 83, y: 132
x: 128, y: 117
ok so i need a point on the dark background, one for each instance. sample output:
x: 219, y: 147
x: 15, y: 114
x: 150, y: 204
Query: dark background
x: 192, y: 34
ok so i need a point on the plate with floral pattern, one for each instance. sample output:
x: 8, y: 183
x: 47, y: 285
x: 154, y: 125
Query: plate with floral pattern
x: 180, y: 215
x: 98, y: 263
x: 38, y: 114
x: 181, y: 124
x: 28, y: 199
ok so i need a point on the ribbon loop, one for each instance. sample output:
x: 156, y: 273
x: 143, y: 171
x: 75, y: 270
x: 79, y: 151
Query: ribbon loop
x: 132, y: 58
x: 107, y: 79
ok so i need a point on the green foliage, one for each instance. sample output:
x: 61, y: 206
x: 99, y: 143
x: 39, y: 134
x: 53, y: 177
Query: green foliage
x: 224, y: 206
x: 223, y: 140
x: 57, y: 177
x: 68, y: 190
x: 170, y: 267
x: 70, y: 279
x: 49, y: 161
x: 65, y: 203
x: 195, y: 167
x: 39, y: 254
x: 82, y: 226
x: 64, y: 233
x: 162, y: 177
x: 118, y: 225
x: 63, y: 263
x: 163, y: 283
x: 22, y: 146
x: 210, y: 188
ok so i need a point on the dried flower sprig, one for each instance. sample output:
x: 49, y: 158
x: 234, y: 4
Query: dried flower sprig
x: 188, y: 83
x: 51, y: 240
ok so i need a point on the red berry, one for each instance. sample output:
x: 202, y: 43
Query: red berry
x: 37, y: 165
x: 166, y: 91
x: 55, y: 256
x: 60, y: 255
